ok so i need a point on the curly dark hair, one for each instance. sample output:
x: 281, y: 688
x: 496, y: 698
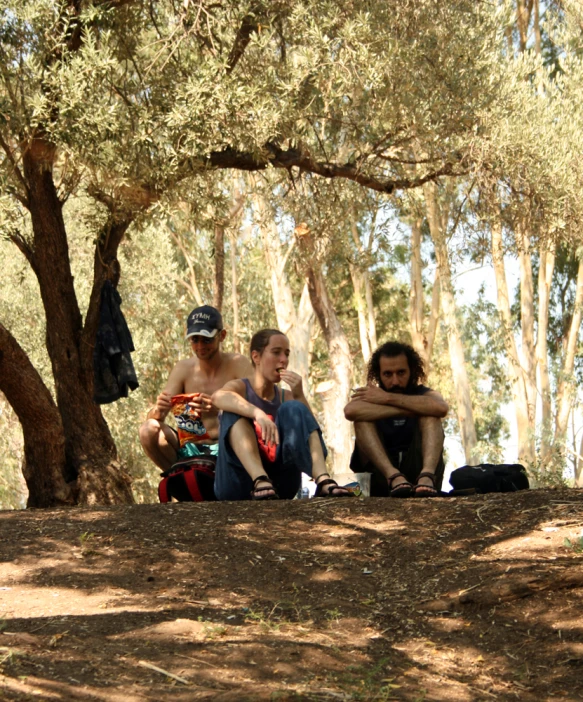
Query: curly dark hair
x: 391, y: 349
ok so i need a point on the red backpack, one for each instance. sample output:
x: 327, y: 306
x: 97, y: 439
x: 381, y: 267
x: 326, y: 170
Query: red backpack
x: 190, y: 480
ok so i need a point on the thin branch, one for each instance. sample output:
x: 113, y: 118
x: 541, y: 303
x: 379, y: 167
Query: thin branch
x: 15, y: 167
x: 249, y: 26
x: 21, y: 244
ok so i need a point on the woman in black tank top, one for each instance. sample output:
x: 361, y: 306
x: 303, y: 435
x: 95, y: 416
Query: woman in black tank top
x: 268, y: 435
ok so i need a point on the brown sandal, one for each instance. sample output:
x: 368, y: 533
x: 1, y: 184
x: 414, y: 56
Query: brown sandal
x: 334, y: 486
x: 272, y: 494
x: 426, y: 490
x: 402, y: 490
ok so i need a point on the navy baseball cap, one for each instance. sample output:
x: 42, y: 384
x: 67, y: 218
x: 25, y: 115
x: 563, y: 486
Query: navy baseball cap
x: 204, y: 321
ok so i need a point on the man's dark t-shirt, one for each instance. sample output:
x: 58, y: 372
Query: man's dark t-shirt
x: 397, y: 432
x: 401, y: 439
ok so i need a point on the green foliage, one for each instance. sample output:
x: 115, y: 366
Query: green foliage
x: 576, y: 545
x: 484, y: 348
x: 142, y: 100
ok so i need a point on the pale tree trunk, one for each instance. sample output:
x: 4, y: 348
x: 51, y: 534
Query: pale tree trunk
x: 545, y: 276
x: 360, y: 304
x: 220, y: 226
x: 526, y: 446
x: 219, y: 283
x: 527, y: 350
x: 363, y: 293
x: 567, y: 386
x: 372, y: 325
x: 433, y: 320
x: 579, y: 466
x: 191, y: 284
x: 234, y: 294
x: 416, y: 297
x: 456, y: 351
x: 335, y: 395
x: 296, y: 322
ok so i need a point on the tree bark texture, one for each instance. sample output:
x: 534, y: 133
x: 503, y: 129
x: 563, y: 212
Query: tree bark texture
x: 456, y: 350
x: 359, y: 272
x: 234, y: 294
x: 416, y: 297
x: 338, y: 430
x: 295, y: 321
x: 433, y: 320
x: 44, y: 438
x: 566, y: 391
x: 545, y: 276
x: 360, y: 304
x: 91, y: 467
x: 219, y: 284
x: 526, y: 446
x: 527, y: 348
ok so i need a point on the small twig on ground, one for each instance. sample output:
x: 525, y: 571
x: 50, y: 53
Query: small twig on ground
x: 42, y: 626
x: 463, y: 592
x: 483, y: 692
x: 144, y: 664
x: 478, y: 513
x: 198, y: 660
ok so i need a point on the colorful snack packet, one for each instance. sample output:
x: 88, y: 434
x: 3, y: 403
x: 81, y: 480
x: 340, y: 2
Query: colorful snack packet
x: 188, y: 422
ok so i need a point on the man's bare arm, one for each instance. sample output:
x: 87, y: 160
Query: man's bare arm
x: 361, y: 411
x: 372, y: 403
x: 174, y: 386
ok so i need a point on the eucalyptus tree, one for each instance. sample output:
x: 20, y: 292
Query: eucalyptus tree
x: 122, y: 101
x: 530, y: 189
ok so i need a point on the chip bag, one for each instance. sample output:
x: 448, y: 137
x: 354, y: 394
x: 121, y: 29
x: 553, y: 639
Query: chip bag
x: 188, y: 422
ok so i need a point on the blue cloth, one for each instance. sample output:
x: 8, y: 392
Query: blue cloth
x: 294, y: 423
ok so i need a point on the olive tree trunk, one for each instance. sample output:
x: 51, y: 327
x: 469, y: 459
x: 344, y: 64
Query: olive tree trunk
x: 84, y: 464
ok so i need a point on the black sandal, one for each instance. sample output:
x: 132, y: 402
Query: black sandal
x: 329, y: 481
x: 264, y: 479
x: 403, y: 489
x: 426, y: 490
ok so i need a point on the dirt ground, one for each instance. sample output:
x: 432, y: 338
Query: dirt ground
x: 457, y: 599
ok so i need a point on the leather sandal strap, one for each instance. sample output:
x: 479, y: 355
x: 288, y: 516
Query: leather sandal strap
x: 426, y: 474
x: 262, y: 479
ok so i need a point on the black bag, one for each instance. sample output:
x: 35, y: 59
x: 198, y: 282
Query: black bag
x: 191, y: 480
x: 488, y: 477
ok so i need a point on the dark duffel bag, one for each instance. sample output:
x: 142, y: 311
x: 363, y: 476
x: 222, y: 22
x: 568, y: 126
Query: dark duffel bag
x: 489, y: 477
x: 191, y: 480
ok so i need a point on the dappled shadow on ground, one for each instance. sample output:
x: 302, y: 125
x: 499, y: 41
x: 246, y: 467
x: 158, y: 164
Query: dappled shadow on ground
x: 445, y: 599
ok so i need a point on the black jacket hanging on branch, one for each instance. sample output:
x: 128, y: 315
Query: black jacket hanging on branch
x: 114, y: 373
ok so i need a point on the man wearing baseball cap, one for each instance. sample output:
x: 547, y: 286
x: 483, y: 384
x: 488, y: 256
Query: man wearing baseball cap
x: 205, y: 372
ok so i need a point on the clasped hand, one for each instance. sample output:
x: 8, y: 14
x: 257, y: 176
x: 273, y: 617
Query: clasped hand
x: 370, y: 393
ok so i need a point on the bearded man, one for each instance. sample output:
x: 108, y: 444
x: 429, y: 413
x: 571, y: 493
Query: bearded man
x: 398, y: 427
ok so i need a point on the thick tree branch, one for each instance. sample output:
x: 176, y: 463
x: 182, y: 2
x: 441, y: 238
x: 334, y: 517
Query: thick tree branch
x: 44, y: 442
x: 278, y: 158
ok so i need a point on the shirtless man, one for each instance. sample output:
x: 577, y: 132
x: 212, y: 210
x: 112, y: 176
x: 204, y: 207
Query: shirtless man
x: 397, y: 424
x: 205, y: 373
